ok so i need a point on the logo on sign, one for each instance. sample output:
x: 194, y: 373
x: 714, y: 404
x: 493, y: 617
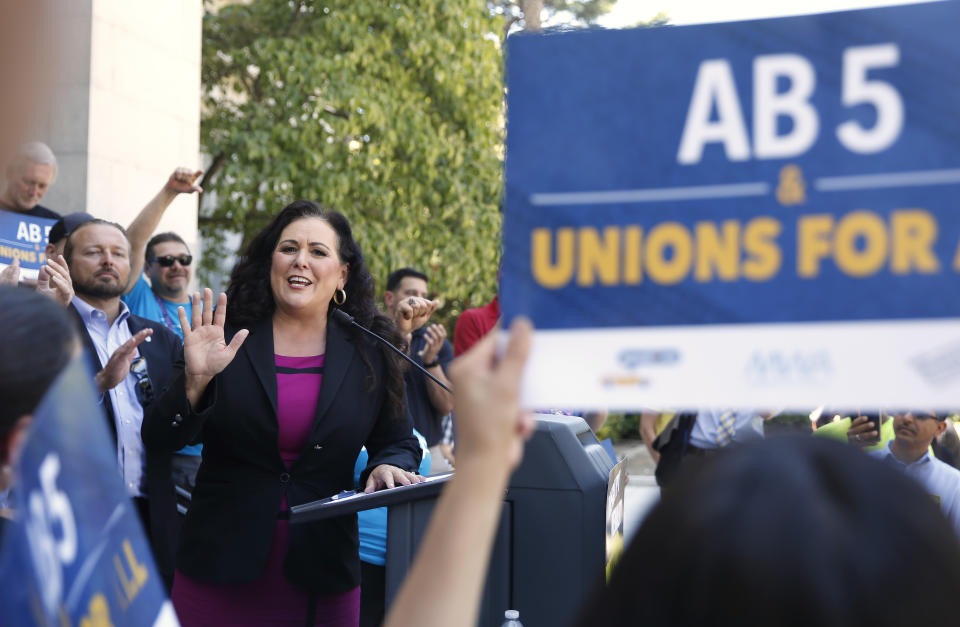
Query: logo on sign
x: 632, y: 358
x: 623, y: 380
x: 774, y: 367
x: 940, y: 366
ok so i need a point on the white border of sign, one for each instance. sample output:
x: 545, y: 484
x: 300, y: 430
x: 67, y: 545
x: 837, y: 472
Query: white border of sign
x: 768, y: 366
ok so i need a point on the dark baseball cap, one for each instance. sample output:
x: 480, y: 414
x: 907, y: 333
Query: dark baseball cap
x: 65, y: 225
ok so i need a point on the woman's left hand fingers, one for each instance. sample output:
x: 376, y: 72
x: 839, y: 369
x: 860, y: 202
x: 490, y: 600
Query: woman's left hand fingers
x: 207, y: 316
x: 220, y: 313
x: 195, y: 319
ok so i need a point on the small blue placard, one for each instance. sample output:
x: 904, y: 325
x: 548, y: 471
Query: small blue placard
x: 23, y: 237
x: 77, y: 554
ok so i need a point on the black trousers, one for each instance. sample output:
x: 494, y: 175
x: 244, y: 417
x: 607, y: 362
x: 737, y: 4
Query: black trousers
x: 142, y: 507
x: 373, y: 589
x: 143, y: 511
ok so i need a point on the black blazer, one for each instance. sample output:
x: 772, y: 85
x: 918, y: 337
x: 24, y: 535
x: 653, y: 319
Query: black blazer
x: 162, y: 351
x: 228, y: 531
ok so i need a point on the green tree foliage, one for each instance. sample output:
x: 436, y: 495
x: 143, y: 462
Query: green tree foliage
x: 581, y: 12
x: 390, y: 112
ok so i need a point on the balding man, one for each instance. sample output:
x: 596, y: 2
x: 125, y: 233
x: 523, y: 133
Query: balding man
x: 29, y: 176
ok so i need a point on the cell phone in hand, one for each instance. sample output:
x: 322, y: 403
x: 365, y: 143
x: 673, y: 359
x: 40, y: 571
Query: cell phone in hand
x: 874, y: 421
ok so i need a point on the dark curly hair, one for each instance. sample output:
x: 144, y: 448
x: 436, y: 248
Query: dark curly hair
x: 251, y: 299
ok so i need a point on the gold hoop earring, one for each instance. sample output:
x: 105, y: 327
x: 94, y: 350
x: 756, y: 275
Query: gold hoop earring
x: 342, y: 297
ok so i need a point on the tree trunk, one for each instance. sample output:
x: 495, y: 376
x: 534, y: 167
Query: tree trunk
x: 531, y: 14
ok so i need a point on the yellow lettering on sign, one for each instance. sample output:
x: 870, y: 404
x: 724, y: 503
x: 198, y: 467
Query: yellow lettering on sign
x: 717, y: 255
x: 548, y: 273
x: 813, y: 243
x: 861, y: 243
x: 914, y: 232
x: 668, y: 253
x: 133, y: 578
x: 98, y: 614
x: 854, y: 227
x: 671, y: 236
x: 792, y: 189
x: 26, y: 256
x: 632, y: 264
x: 764, y: 255
x: 599, y: 258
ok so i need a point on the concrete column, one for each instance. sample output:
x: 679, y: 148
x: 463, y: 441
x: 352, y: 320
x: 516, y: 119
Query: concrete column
x: 125, y: 107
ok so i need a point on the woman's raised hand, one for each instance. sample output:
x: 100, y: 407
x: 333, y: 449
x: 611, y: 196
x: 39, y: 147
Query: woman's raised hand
x: 204, y: 349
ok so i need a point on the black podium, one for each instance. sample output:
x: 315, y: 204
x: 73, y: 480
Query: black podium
x: 550, y: 548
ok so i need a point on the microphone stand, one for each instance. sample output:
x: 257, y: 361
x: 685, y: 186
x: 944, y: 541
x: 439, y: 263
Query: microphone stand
x: 346, y: 318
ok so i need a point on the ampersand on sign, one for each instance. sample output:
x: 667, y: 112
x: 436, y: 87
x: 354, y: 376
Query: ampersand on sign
x: 792, y: 189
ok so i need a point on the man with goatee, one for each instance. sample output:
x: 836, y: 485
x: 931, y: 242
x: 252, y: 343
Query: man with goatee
x: 134, y: 359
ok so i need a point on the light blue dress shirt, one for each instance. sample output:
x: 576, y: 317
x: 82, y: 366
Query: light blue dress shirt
x: 940, y: 480
x: 127, y: 412
x: 142, y: 302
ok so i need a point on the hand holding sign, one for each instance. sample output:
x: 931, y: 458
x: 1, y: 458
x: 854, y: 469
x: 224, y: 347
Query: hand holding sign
x: 54, y: 281
x: 491, y: 428
x: 11, y: 274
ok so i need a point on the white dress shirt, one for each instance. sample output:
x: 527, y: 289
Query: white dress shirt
x: 127, y: 412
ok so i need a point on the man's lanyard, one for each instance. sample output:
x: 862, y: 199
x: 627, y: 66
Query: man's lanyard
x: 166, y: 316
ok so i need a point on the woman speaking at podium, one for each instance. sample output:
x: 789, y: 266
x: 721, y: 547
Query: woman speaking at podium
x: 283, y: 395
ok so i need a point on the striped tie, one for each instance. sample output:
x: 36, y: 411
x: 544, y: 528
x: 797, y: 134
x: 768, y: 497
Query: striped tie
x: 725, y: 429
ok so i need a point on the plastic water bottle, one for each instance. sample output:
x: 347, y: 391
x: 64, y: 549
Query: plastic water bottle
x: 511, y: 618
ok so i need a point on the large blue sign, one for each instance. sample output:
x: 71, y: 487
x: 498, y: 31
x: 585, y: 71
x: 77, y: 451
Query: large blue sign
x: 77, y: 554
x: 24, y: 237
x: 793, y: 169
x: 797, y: 170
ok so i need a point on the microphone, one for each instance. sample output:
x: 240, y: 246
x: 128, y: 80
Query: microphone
x: 346, y: 318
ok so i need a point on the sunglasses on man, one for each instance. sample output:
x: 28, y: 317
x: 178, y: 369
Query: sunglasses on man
x: 167, y: 260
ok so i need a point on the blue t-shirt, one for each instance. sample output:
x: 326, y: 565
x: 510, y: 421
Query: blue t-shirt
x: 142, y: 302
x: 372, y: 523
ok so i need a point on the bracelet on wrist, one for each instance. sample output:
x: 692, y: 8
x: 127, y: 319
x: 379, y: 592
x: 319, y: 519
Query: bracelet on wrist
x: 435, y: 362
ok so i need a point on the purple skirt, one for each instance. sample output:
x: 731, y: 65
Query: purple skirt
x: 270, y: 600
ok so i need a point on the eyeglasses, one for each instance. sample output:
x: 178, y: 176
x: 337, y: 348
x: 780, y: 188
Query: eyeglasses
x: 167, y: 260
x: 928, y: 415
x: 144, y: 387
